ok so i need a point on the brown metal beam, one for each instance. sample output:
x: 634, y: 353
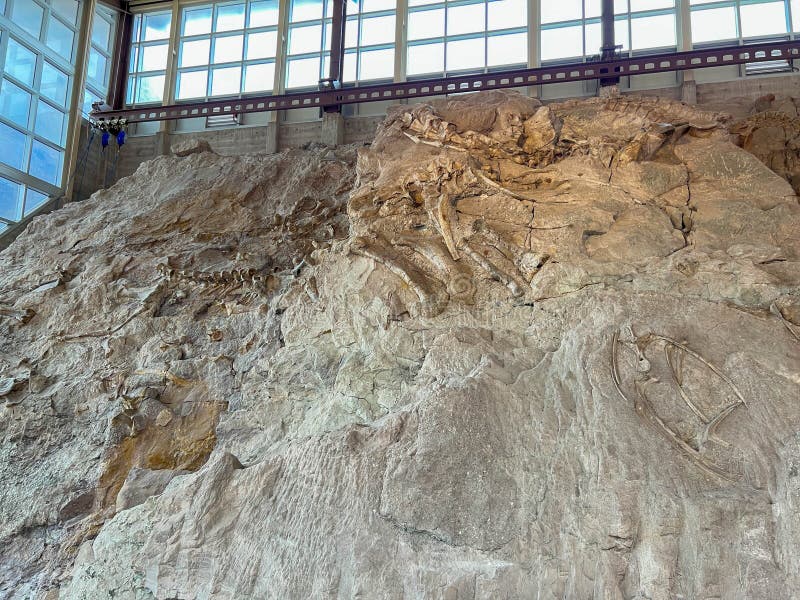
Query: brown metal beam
x: 640, y: 65
x: 121, y: 57
x: 334, y: 80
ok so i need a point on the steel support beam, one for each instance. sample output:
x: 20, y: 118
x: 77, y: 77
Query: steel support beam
x: 334, y: 80
x: 641, y: 65
x: 122, y: 54
x: 608, y: 50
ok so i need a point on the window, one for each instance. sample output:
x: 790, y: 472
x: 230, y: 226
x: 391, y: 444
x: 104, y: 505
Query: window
x: 369, y: 40
x: 457, y: 36
x: 227, y: 49
x: 732, y: 21
x: 308, y: 49
x: 37, y: 53
x: 98, y: 69
x: 148, y: 62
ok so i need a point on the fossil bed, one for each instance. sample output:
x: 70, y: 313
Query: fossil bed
x: 507, y: 351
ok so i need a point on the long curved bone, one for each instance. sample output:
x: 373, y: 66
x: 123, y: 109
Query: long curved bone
x: 496, y: 273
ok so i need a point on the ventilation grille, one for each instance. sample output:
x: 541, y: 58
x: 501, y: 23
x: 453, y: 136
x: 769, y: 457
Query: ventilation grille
x: 226, y: 120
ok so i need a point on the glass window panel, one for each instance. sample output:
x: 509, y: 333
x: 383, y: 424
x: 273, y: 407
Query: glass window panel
x: 466, y: 19
x: 263, y: 14
x: 426, y: 24
x: 192, y: 84
x: 505, y: 14
x: 10, y: 200
x: 54, y: 84
x: 621, y: 37
x: 376, y: 64
x: 230, y: 17
x: 101, y: 32
x: 196, y: 21
x: 349, y: 69
x: 150, y: 88
x: 137, y: 26
x: 67, y: 9
x: 96, y: 68
x: 653, y: 32
x: 620, y: 7
x: 227, y: 49
x: 638, y: 5
x: 592, y: 8
x: 259, y: 77
x: 351, y: 33
x: 425, y: 58
x: 377, y: 30
x: 303, y: 72
x: 594, y: 39
x: 28, y: 15
x: 328, y: 35
x: 305, y: 39
x: 763, y: 19
x: 305, y: 10
x: 376, y: 5
x: 194, y: 53
x: 13, y: 144
x: 33, y: 200
x: 20, y: 62
x: 713, y: 24
x: 422, y: 2
x: 3, y: 226
x: 693, y: 2
x: 45, y: 163
x: 60, y: 38
x: 562, y: 42
x: 509, y: 49
x: 554, y: 11
x: 2, y: 7
x: 89, y: 96
x: 49, y: 123
x: 466, y: 54
x: 132, y: 62
x: 153, y: 58
x: 15, y: 103
x: 156, y: 26
x: 795, y: 15
x: 262, y: 45
x: 226, y: 81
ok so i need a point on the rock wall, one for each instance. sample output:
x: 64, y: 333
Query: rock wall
x: 508, y: 351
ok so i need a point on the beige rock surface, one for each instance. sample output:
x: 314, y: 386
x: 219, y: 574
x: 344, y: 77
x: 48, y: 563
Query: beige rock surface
x: 509, y: 351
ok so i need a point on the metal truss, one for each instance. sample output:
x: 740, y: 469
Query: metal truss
x: 655, y: 63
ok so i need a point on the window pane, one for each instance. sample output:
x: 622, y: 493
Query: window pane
x: 563, y: 42
x: 594, y: 38
x: 466, y: 19
x: 194, y: 53
x: 349, y: 69
x: 351, y: 33
x: 15, y: 103
x: 637, y: 5
x: 263, y: 14
x: 54, y: 84
x: 10, y: 200
x: 228, y: 49
x: 763, y: 19
x: 376, y: 64
x: 150, y: 88
x: 259, y: 78
x: 96, y: 68
x: 20, y: 62
x: 426, y: 24
x: 713, y: 24
x: 33, y: 200
x: 230, y: 17
x: 156, y: 27
x: 67, y: 9
x: 505, y: 14
x: 45, y: 163
x: 303, y: 73
x: 465, y: 54
x: 60, y: 38
x: 375, y: 5
x: 153, y: 58
x: 621, y: 34
x: 226, y: 81
x: 305, y: 10
x: 262, y: 45
x: 425, y: 58
x: 305, y: 39
x: 196, y: 21
x: 421, y: 2
x: 192, y: 84
x: 554, y: 11
x: 507, y: 49
x: 653, y: 32
x: 101, y: 32
x: 592, y: 8
x: 49, y: 123
x: 28, y: 15
x: 377, y: 30
x: 13, y: 144
x: 795, y: 15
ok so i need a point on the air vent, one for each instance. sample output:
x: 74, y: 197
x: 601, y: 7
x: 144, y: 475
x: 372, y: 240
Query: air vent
x: 226, y: 120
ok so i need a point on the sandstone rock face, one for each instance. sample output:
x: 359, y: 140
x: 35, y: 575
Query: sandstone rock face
x: 508, y: 351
